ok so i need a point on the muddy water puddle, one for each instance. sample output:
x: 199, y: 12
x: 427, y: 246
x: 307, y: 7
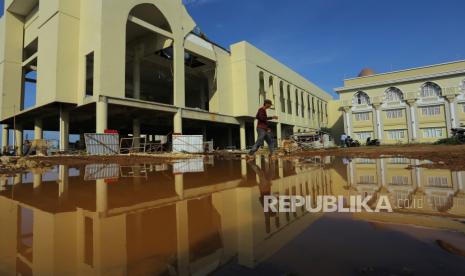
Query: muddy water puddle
x: 206, y: 216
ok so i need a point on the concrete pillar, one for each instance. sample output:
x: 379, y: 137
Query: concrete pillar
x: 242, y: 135
x: 102, y: 196
x: 348, y: 120
x: 64, y: 129
x: 136, y: 133
x: 255, y: 134
x: 408, y: 114
x: 179, y: 185
x: 19, y: 139
x: 101, y: 115
x: 279, y: 135
x: 63, y: 180
x: 37, y: 180
x: 413, y: 118
x: 177, y: 122
x: 38, y: 132
x: 138, y: 53
x: 244, y: 168
x: 448, y: 114
x: 5, y: 137
x: 179, y: 73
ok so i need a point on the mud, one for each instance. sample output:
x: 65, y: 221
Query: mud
x: 443, y: 156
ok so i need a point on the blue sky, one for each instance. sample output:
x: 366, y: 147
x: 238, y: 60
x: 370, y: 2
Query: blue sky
x: 329, y: 40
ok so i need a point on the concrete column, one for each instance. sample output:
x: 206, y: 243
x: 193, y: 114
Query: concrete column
x: 408, y: 114
x: 102, y: 196
x: 177, y: 122
x: 19, y: 139
x: 375, y: 122
x: 138, y: 53
x: 244, y: 168
x: 348, y: 120
x: 101, y: 115
x: 179, y: 74
x: 242, y: 135
x: 37, y: 180
x: 5, y: 137
x: 64, y: 129
x: 38, y: 132
x: 447, y: 110
x: 255, y: 134
x: 136, y: 133
x: 179, y: 185
x: 279, y: 135
x: 63, y: 178
x: 413, y: 117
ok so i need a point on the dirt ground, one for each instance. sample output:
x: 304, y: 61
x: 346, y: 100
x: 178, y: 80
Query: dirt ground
x: 443, y: 156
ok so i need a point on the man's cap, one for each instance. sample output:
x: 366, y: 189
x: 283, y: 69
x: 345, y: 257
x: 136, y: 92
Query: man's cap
x: 268, y: 102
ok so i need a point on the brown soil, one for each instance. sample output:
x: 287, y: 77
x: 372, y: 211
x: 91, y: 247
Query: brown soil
x: 443, y: 156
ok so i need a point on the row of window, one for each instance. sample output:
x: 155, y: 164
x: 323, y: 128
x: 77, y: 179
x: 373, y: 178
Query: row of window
x: 304, y: 105
x: 431, y: 111
x: 433, y: 181
x: 394, y: 94
x: 427, y: 111
x: 399, y: 134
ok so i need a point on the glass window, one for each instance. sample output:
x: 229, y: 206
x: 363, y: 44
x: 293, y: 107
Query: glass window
x: 393, y: 94
x: 362, y: 136
x: 365, y: 116
x: 430, y: 89
x: 399, y: 180
x: 361, y: 98
x: 432, y: 132
x: 396, y: 134
x: 431, y: 110
x: 438, y: 181
x: 394, y: 114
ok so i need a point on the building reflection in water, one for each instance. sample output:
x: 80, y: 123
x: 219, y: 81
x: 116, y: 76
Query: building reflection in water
x: 192, y: 216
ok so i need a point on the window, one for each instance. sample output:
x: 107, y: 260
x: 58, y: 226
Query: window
x: 394, y: 114
x: 365, y: 116
x: 361, y: 98
x: 463, y: 107
x: 302, y: 106
x: 430, y: 111
x: 296, y: 102
x: 363, y: 135
x: 90, y: 74
x: 367, y: 179
x: 430, y: 89
x: 282, y: 100
x: 393, y: 94
x: 396, y: 134
x: 398, y: 160
x: 432, y: 132
x: 438, y: 181
x: 399, y: 180
x: 289, y: 102
x: 261, y: 89
x: 308, y: 107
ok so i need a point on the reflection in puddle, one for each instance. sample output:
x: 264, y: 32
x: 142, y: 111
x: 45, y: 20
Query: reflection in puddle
x: 206, y: 215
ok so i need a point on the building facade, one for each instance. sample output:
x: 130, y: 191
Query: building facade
x: 140, y: 67
x: 413, y: 105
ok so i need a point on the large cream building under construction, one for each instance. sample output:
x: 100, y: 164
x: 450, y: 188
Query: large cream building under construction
x: 139, y: 67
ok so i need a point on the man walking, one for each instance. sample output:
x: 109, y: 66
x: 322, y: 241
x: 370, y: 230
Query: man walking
x: 263, y: 130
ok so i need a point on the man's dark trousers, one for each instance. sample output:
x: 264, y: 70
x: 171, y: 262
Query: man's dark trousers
x: 263, y: 135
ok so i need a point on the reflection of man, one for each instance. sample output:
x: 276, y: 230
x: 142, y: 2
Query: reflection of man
x: 263, y: 129
x: 265, y: 176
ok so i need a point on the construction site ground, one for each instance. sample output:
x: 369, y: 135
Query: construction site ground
x: 442, y: 156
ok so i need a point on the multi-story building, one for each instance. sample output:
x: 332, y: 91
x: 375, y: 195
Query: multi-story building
x: 139, y: 67
x: 414, y: 105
